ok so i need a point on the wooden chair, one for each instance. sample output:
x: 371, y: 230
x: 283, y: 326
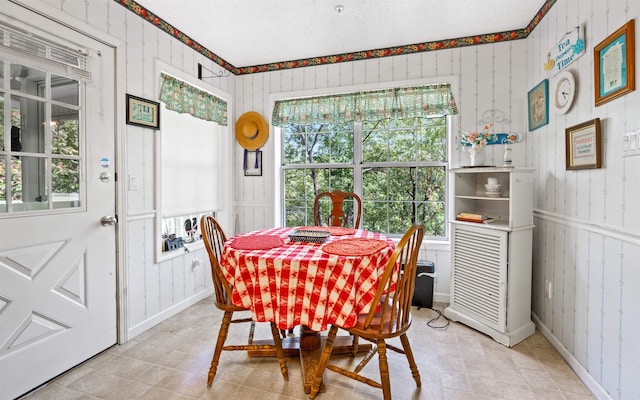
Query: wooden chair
x: 337, y: 215
x: 389, y: 317
x: 214, y: 239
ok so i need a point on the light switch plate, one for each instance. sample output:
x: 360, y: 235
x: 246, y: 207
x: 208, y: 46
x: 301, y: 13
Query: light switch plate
x: 631, y: 143
x: 133, y: 182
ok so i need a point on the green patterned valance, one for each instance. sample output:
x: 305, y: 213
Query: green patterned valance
x: 406, y: 102
x: 181, y: 97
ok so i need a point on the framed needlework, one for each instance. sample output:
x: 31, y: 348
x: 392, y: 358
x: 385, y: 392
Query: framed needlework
x: 143, y: 112
x: 583, y: 145
x: 614, y: 64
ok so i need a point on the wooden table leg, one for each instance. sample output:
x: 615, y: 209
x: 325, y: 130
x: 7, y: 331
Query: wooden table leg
x: 310, y: 352
x: 308, y: 347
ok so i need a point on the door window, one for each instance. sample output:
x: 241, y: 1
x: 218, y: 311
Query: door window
x: 40, y: 130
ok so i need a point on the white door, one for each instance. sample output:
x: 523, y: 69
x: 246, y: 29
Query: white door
x: 57, y: 261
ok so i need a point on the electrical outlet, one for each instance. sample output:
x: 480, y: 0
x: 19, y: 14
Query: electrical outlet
x: 548, y: 288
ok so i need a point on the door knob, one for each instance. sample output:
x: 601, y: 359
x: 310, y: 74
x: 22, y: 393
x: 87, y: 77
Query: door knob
x: 108, y: 220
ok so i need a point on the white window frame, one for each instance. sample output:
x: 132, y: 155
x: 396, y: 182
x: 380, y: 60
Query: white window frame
x: 451, y: 122
x: 224, y: 211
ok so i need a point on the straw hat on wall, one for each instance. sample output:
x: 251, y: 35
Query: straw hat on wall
x: 252, y: 131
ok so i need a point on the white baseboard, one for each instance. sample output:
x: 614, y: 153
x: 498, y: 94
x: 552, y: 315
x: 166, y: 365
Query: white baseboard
x: 441, y: 298
x: 596, y: 389
x: 168, y: 313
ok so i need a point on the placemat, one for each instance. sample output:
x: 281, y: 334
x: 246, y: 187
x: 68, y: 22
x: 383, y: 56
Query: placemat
x: 334, y: 230
x: 354, y: 247
x: 257, y: 242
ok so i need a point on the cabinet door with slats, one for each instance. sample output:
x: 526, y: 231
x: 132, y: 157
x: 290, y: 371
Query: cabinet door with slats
x: 479, y: 278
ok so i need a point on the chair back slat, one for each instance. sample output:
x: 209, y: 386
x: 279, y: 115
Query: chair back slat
x: 337, y: 215
x: 214, y: 239
x: 397, y: 284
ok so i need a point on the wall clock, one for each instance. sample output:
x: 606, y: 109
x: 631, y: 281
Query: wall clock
x: 565, y: 92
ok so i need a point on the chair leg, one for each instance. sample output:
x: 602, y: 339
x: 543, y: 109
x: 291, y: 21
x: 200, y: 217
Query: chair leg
x: 278, y: 343
x: 384, y: 369
x: 412, y: 362
x: 222, y: 337
x: 354, y: 346
x: 324, y: 358
x: 252, y: 330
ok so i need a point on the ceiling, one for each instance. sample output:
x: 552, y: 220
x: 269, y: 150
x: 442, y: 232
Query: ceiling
x: 255, y: 32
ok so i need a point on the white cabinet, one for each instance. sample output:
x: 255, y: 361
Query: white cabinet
x: 491, y: 261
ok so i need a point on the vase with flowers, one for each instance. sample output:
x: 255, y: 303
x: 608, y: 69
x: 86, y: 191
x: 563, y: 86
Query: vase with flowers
x: 475, y: 143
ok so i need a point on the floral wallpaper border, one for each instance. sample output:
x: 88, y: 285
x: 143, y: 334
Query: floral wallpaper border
x: 150, y: 17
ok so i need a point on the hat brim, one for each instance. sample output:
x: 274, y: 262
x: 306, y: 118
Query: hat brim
x: 251, y: 121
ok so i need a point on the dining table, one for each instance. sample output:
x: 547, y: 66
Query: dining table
x: 308, y: 277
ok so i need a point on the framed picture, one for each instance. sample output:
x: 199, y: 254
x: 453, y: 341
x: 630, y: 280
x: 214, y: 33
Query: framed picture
x: 539, y: 105
x: 583, y: 145
x: 253, y: 163
x: 614, y: 64
x: 143, y: 112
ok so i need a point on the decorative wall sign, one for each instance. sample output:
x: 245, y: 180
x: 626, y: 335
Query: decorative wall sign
x: 500, y: 138
x: 614, y: 64
x: 143, y: 112
x: 583, y: 145
x: 570, y: 48
x: 539, y: 105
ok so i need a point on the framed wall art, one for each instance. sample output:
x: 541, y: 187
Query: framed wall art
x: 538, y: 101
x: 143, y: 112
x: 253, y: 163
x: 583, y: 145
x: 614, y: 64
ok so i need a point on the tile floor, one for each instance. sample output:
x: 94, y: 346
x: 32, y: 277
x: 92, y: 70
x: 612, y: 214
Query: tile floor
x: 171, y: 361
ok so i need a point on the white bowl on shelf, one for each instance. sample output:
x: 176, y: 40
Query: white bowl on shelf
x: 493, y: 190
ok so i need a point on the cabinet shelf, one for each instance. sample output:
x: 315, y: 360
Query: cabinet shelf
x: 512, y: 205
x: 480, y: 197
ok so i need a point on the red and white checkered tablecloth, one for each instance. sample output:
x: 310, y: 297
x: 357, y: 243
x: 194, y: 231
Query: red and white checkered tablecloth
x: 299, y: 284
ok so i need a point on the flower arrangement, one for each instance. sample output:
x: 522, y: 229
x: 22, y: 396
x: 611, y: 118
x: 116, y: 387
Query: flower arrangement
x: 477, y: 139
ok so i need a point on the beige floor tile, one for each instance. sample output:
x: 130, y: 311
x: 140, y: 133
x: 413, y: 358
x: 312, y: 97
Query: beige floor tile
x: 171, y: 360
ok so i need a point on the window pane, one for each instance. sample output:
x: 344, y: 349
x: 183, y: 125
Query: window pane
x: 1, y: 74
x: 28, y: 184
x: 318, y: 143
x: 302, y: 185
x: 406, y: 140
x: 404, y: 195
x: 29, y: 116
x: 298, y: 198
x: 65, y: 133
x: 64, y: 90
x: 27, y: 79
x: 65, y: 183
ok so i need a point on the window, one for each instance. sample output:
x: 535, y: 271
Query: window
x: 398, y: 166
x: 191, y: 156
x: 40, y: 137
x: 389, y: 146
x: 190, y: 172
